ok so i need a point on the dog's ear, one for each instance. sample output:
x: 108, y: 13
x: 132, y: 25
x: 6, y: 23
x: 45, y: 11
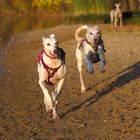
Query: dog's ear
x: 99, y: 28
x: 116, y: 4
x: 43, y: 41
x: 52, y: 36
x: 43, y: 38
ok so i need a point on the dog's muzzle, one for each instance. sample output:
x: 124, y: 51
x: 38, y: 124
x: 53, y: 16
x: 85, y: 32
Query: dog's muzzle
x: 95, y: 41
x: 55, y: 51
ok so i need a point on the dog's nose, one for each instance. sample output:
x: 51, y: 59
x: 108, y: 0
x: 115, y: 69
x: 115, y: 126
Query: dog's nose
x: 55, y: 51
x: 95, y: 39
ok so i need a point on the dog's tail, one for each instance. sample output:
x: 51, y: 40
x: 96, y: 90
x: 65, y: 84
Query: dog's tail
x: 77, y: 37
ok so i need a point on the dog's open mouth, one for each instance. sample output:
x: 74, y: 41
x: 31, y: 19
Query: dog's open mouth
x: 95, y: 41
x: 53, y: 54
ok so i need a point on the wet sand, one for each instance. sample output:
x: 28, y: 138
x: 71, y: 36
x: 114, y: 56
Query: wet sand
x: 110, y: 109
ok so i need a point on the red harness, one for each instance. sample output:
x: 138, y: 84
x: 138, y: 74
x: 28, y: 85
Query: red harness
x: 50, y: 71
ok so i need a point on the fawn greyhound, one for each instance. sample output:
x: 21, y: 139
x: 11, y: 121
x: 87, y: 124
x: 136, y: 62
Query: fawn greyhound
x: 91, y: 49
x: 116, y: 15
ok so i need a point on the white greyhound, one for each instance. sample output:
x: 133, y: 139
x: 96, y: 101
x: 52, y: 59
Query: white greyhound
x: 116, y: 15
x: 52, y: 70
x: 90, y: 48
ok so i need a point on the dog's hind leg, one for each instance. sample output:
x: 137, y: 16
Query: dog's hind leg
x: 115, y: 20
x: 79, y: 65
x: 120, y: 20
x: 55, y: 97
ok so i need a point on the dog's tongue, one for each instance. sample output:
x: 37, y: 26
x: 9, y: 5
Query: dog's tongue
x: 53, y: 55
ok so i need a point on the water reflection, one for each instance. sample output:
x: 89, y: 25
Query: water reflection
x: 13, y: 25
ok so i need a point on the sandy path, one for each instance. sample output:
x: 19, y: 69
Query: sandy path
x: 110, y: 109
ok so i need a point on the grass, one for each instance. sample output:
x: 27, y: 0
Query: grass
x: 128, y: 17
x: 87, y: 19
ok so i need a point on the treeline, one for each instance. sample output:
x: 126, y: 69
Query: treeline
x: 75, y: 6
x: 103, y: 6
x: 23, y: 6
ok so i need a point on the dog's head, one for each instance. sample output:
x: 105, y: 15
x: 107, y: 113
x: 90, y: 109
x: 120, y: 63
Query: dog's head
x: 117, y: 5
x: 50, y: 45
x: 93, y: 34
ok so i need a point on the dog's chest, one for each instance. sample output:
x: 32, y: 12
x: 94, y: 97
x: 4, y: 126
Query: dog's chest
x: 53, y: 74
x: 87, y: 48
x: 51, y: 79
x: 90, y: 53
x: 51, y: 68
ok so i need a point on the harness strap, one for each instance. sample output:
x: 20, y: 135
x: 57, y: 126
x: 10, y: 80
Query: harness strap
x: 50, y: 71
x: 95, y: 47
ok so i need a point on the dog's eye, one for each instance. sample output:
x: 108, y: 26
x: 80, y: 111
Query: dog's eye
x: 48, y: 44
x: 98, y: 32
x: 91, y: 33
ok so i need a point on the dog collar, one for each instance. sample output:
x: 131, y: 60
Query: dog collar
x: 49, y: 55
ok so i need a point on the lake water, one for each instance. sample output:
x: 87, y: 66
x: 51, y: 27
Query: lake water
x: 11, y: 26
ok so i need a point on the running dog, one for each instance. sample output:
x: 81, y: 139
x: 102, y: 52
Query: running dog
x: 116, y: 15
x: 91, y: 49
x: 52, y: 70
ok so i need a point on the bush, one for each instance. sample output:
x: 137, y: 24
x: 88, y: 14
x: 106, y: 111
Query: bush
x: 87, y: 19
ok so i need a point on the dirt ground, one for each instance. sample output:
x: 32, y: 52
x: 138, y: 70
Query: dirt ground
x: 110, y: 110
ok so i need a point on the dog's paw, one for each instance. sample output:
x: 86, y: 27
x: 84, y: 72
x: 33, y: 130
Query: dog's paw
x: 83, y: 91
x: 102, y: 71
x: 90, y: 72
x: 55, y: 117
x: 49, y: 109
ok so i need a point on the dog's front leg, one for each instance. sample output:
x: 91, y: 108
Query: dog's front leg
x: 115, y: 21
x: 47, y: 98
x: 102, y: 58
x: 120, y: 21
x: 55, y: 97
x: 112, y: 18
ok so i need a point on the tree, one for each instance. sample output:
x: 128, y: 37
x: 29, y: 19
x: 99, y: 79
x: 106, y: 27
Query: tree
x: 51, y: 4
x: 21, y: 5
